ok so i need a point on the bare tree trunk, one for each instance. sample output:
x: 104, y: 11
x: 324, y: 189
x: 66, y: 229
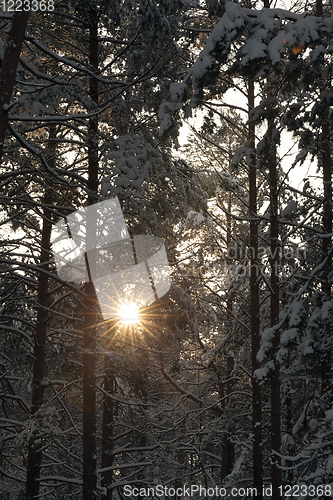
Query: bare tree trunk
x: 90, y: 318
x: 34, y: 451
x: 326, y: 275
x: 108, y: 424
x: 181, y: 461
x: 289, y: 450
x: 289, y: 428
x: 228, y: 448
x: 327, y: 208
x: 89, y: 395
x: 325, y: 157
x: 274, y: 308
x: 276, y: 476
x: 9, y: 68
x: 326, y: 381
x: 255, y: 309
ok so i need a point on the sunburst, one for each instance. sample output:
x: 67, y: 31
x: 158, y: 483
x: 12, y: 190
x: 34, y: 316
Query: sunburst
x: 134, y: 326
x: 129, y: 313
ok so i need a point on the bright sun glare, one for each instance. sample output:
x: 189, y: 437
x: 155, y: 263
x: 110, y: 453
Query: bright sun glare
x: 129, y: 313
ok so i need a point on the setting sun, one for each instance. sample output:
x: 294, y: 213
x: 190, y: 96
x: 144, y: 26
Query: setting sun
x: 129, y: 313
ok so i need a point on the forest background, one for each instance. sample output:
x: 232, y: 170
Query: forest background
x: 227, y: 380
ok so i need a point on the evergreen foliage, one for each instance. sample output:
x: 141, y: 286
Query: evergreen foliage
x: 227, y: 380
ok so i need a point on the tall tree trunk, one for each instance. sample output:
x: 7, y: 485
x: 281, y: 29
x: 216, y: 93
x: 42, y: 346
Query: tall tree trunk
x: 181, y: 461
x: 276, y: 476
x: 325, y: 159
x: 90, y: 318
x: 89, y: 395
x: 34, y: 449
x: 228, y: 448
x: 289, y: 450
x: 326, y: 275
x: 326, y: 381
x: 274, y: 309
x: 255, y: 308
x: 9, y: 68
x: 289, y: 429
x: 108, y: 424
x: 327, y: 208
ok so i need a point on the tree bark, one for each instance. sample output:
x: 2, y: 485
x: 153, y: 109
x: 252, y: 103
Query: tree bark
x: 326, y: 382
x: 274, y: 312
x: 276, y: 476
x: 181, y: 461
x: 108, y: 424
x: 34, y: 449
x: 255, y: 309
x: 325, y: 157
x: 327, y: 207
x: 9, y: 68
x: 228, y: 448
x: 326, y: 275
x: 90, y: 315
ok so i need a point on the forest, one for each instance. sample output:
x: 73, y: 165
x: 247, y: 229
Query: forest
x: 208, y: 122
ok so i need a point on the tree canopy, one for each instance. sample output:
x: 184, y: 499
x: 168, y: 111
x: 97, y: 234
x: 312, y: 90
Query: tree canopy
x: 210, y: 121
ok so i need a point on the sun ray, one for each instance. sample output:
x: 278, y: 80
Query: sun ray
x: 133, y: 327
x: 129, y: 313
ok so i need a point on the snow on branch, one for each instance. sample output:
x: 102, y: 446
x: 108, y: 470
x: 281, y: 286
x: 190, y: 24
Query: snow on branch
x: 282, y: 13
x: 68, y: 62
x: 39, y: 74
x: 25, y: 117
x: 60, y: 479
x: 257, y: 36
x: 188, y: 394
x: 125, y: 466
x: 13, y: 329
